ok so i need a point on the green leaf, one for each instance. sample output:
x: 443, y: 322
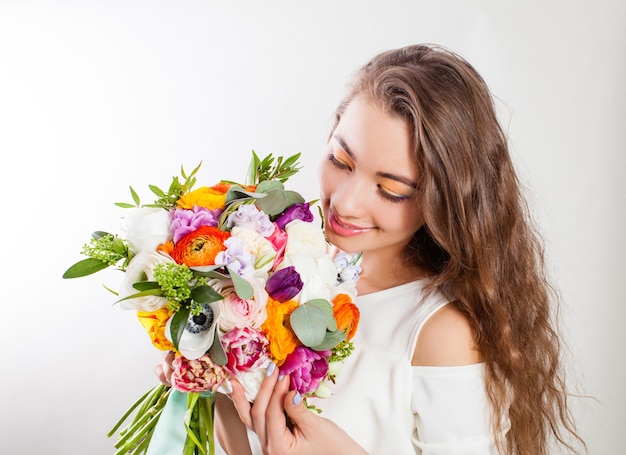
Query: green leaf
x: 157, y: 191
x: 293, y: 197
x: 147, y: 292
x: 85, y: 267
x: 216, y: 351
x: 274, y: 203
x: 125, y: 205
x: 251, y: 175
x: 309, y: 324
x: 179, y: 322
x: 268, y: 185
x: 205, y: 294
x: 331, y: 340
x: 135, y: 196
x: 118, y: 246
x: 326, y: 307
x: 100, y: 234
x: 242, y: 287
x: 146, y: 285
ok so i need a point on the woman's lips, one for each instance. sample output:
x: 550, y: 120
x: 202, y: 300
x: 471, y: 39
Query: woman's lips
x: 344, y: 229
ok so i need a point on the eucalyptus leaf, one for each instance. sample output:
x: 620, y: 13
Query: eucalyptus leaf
x: 326, y: 307
x: 216, y: 351
x: 205, y: 294
x: 268, y: 185
x: 274, y: 203
x: 309, y: 324
x: 242, y: 287
x: 331, y: 340
x: 292, y: 197
x: 178, y: 324
x: 85, y: 267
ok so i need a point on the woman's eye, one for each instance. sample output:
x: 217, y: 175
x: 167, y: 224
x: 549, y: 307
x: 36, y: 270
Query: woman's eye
x: 338, y: 164
x: 391, y: 196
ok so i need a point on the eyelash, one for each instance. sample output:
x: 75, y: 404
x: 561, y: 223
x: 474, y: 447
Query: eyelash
x: 384, y: 194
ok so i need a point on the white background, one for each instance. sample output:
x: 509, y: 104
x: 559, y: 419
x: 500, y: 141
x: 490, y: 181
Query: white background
x: 97, y: 96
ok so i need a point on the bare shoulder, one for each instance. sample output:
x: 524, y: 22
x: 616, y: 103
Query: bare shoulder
x: 446, y: 339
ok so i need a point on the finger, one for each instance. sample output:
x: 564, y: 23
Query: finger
x: 241, y: 403
x: 261, y: 401
x: 277, y: 429
x: 297, y: 411
x: 158, y: 370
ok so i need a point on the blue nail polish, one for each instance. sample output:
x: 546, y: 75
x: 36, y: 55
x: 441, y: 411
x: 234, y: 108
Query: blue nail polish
x: 270, y: 369
x: 281, y: 376
x: 296, y: 399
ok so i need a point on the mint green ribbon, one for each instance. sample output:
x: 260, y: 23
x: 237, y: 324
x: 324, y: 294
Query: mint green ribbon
x: 170, y: 434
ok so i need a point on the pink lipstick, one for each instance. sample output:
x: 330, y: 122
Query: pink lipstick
x: 344, y: 229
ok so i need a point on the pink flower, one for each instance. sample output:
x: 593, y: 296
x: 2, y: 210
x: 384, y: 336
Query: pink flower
x: 199, y: 375
x: 246, y: 349
x: 307, y: 368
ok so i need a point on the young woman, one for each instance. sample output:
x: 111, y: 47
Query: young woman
x: 456, y: 352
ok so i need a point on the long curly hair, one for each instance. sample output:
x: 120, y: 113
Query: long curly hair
x: 478, y: 241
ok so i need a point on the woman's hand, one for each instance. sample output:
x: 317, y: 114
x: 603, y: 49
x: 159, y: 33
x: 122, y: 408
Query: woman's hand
x: 164, y: 369
x: 305, y: 433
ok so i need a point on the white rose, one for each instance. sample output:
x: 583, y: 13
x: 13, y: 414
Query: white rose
x: 259, y: 247
x: 141, y: 268
x: 305, y: 238
x: 318, y: 273
x: 145, y: 228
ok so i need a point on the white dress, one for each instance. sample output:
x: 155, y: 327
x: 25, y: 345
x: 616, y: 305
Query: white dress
x: 391, y: 407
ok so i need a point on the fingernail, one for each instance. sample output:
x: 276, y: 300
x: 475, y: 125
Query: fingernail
x: 281, y: 376
x: 296, y: 399
x: 270, y: 369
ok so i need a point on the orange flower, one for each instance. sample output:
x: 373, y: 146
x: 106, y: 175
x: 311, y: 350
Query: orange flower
x: 166, y: 247
x: 207, y: 197
x: 346, y: 314
x: 200, y: 246
x: 277, y: 329
x: 154, y: 323
x: 210, y: 197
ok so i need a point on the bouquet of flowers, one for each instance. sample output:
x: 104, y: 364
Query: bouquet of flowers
x: 230, y: 277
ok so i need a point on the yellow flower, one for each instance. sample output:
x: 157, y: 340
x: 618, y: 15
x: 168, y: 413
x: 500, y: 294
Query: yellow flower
x: 277, y: 329
x: 209, y: 197
x: 154, y: 323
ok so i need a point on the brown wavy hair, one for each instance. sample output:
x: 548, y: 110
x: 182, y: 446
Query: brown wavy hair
x: 478, y: 242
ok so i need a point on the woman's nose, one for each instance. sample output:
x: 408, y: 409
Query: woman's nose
x: 351, y: 198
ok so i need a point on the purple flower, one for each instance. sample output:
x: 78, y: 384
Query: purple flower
x: 284, y: 284
x: 185, y: 221
x: 298, y: 211
x: 307, y: 368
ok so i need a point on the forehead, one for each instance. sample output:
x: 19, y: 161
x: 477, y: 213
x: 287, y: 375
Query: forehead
x: 377, y: 137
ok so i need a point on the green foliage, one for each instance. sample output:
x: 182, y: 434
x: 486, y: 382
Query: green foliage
x: 315, y: 326
x: 342, y: 351
x: 266, y: 169
x: 166, y: 199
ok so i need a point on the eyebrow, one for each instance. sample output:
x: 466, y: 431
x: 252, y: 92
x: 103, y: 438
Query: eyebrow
x: 386, y: 175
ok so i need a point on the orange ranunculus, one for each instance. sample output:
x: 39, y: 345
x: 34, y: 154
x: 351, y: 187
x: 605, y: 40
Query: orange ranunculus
x: 207, y: 197
x: 277, y: 329
x: 154, y: 323
x: 346, y: 314
x: 200, y: 246
x: 166, y: 247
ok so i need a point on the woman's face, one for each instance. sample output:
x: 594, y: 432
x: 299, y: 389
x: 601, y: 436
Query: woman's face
x: 368, y: 182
